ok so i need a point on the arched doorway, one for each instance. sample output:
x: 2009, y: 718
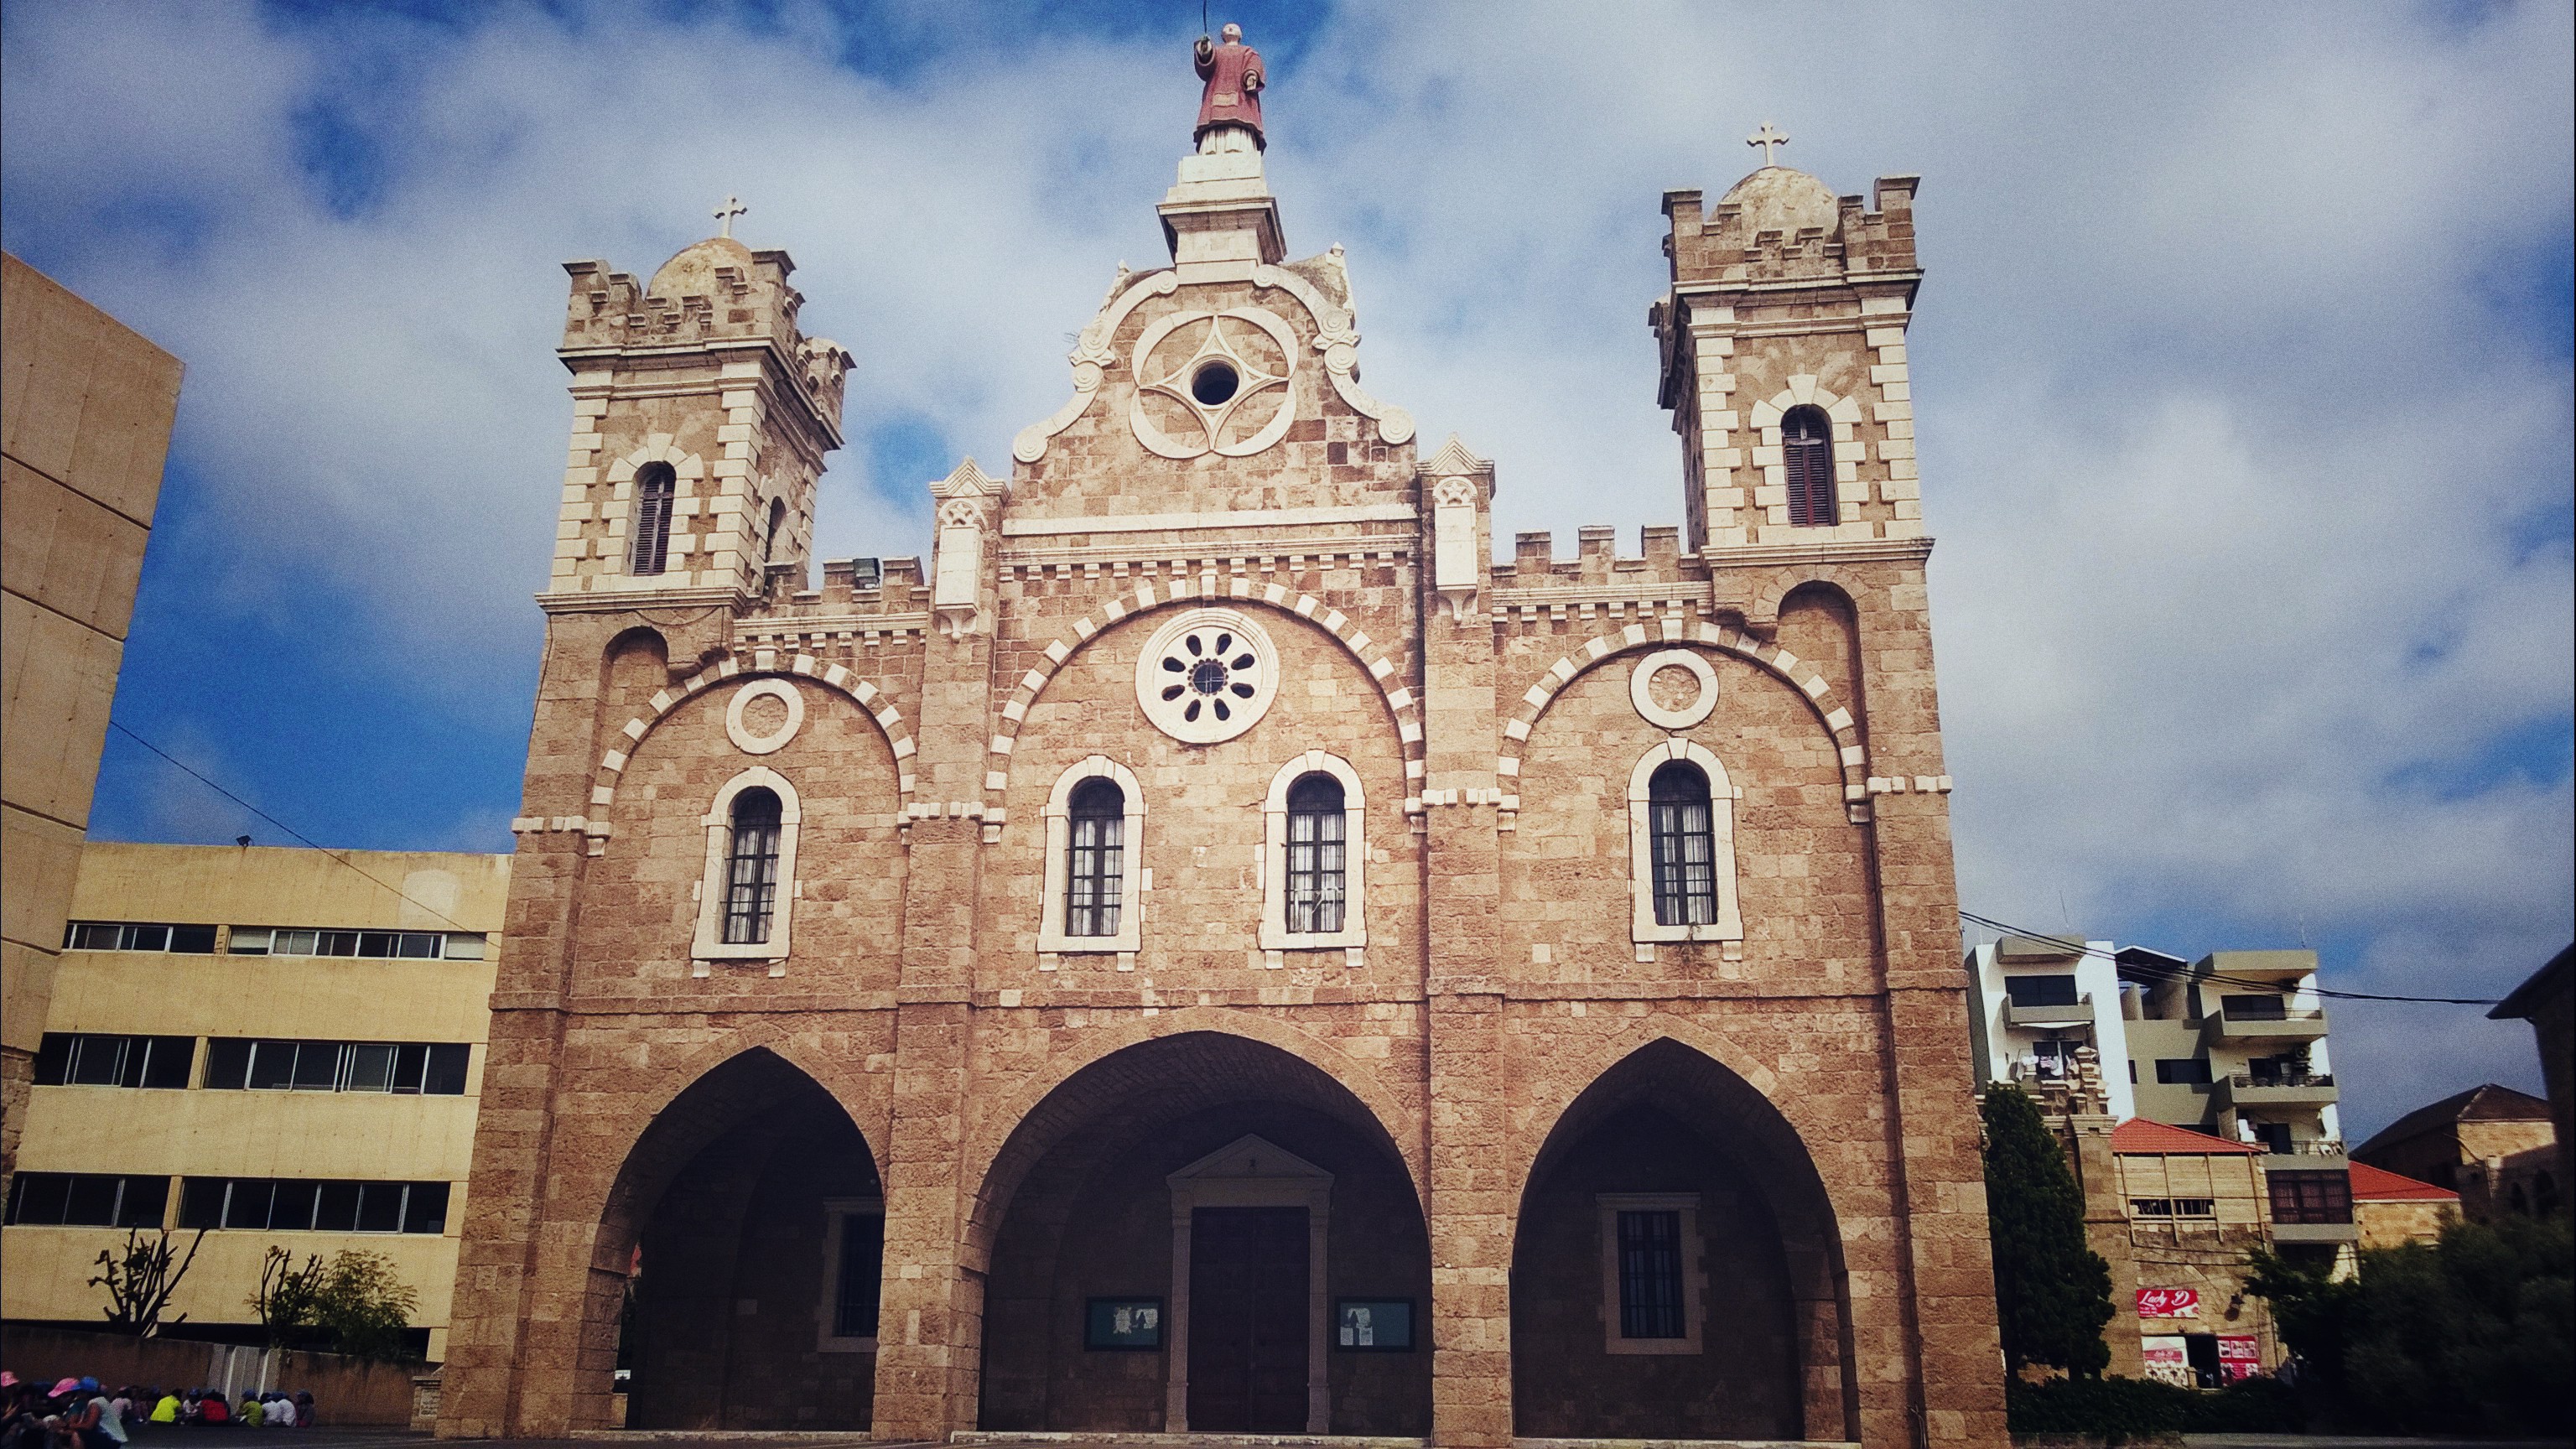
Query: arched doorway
x: 1676, y: 1273
x: 751, y: 1220
x: 1205, y: 1232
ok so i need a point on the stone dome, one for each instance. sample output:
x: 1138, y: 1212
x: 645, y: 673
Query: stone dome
x: 1777, y: 198
x: 692, y: 273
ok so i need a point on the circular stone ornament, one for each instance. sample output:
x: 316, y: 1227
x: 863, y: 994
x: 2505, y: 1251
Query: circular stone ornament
x: 1673, y: 689
x: 1207, y: 676
x: 737, y: 724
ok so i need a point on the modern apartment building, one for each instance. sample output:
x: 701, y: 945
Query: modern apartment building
x: 2035, y: 1001
x: 282, y: 1047
x: 2233, y: 1044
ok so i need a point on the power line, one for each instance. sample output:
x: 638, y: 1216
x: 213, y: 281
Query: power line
x: 193, y: 773
x: 2081, y: 948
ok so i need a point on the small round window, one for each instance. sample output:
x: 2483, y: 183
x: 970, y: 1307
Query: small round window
x: 1206, y: 676
x: 1214, y: 384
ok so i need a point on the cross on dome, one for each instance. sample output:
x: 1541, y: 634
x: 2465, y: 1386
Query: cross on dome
x: 1767, y: 138
x: 725, y: 214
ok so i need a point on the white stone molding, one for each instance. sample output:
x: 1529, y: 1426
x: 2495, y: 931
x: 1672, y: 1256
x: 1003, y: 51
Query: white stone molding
x: 1130, y: 936
x: 1339, y: 341
x: 689, y: 500
x: 870, y: 699
x: 1456, y: 570
x: 1770, y: 658
x: 1644, y: 929
x: 957, y: 571
x: 1207, y: 676
x: 1771, y: 495
x: 771, y: 743
x: 1091, y: 360
x: 1275, y: 935
x: 1641, y: 682
x: 710, y: 944
x: 1694, y: 1270
x: 835, y: 1209
x: 1179, y: 381
x: 1251, y: 1172
x: 1402, y: 708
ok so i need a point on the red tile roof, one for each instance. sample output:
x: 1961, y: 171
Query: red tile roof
x: 2138, y: 1136
x: 2378, y: 1184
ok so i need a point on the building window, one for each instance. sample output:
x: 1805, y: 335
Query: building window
x: 83, y: 1059
x: 747, y: 897
x: 138, y: 936
x: 1095, y: 820
x: 384, y: 945
x: 2182, y: 1071
x: 2254, y: 1008
x: 87, y: 1200
x: 1807, y: 449
x: 434, y: 1069
x: 777, y: 522
x: 298, y: 1205
x: 1314, y: 855
x: 2172, y: 1207
x: 1684, y: 846
x: 1650, y: 1272
x: 1095, y: 870
x: 2311, y: 1197
x: 751, y: 868
x: 854, y: 1269
x: 2054, y: 990
x: 1681, y: 824
x: 655, y: 486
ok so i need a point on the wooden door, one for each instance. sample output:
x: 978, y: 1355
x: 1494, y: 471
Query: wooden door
x: 1248, y: 1310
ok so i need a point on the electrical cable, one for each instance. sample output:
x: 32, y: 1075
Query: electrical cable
x: 343, y: 859
x: 2185, y: 974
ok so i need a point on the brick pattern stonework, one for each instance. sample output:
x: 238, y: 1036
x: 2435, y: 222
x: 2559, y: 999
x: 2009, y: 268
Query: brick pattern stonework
x: 1500, y: 1054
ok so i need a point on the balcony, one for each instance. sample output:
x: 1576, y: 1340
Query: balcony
x: 2078, y: 1012
x: 2276, y: 1024
x: 2287, y: 1089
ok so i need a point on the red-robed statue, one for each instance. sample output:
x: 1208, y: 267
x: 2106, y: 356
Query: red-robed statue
x: 1230, y: 109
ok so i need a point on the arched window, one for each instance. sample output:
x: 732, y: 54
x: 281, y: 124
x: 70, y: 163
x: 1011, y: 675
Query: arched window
x: 751, y: 868
x: 1684, y: 844
x: 1095, y: 865
x: 777, y: 521
x: 655, y: 485
x: 1807, y: 449
x: 1317, y: 856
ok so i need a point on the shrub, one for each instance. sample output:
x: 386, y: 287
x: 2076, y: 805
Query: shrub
x: 2116, y: 1410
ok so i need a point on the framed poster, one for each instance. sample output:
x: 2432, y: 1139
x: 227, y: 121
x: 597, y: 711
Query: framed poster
x: 2239, y: 1357
x: 1122, y: 1323
x: 2168, y: 1303
x: 1373, y: 1325
x: 2168, y: 1362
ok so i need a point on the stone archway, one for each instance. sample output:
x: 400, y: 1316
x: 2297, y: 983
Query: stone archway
x: 1677, y: 1270
x: 738, y: 1260
x: 1153, y: 1181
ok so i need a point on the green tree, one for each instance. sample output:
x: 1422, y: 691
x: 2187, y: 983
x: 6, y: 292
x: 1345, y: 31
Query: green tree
x: 2475, y: 1334
x: 363, y: 1306
x: 2052, y: 1293
x: 284, y: 1298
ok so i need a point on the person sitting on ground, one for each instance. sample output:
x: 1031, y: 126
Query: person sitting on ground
x: 281, y: 1412
x: 249, y: 1415
x: 107, y: 1423
x: 304, y: 1408
x: 214, y: 1409
x: 167, y: 1410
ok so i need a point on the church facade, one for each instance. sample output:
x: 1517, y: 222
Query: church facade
x: 1214, y: 951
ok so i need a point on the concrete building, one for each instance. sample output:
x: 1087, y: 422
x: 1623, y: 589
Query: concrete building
x: 2037, y: 1001
x: 85, y: 410
x: 1215, y: 951
x: 2392, y: 1211
x: 2234, y: 1044
x: 2494, y: 1146
x: 284, y: 1047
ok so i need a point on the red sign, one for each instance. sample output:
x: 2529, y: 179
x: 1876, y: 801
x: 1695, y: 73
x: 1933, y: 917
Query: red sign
x: 2238, y: 1358
x: 2170, y: 1303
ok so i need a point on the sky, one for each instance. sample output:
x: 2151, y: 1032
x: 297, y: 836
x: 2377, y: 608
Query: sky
x: 2242, y: 372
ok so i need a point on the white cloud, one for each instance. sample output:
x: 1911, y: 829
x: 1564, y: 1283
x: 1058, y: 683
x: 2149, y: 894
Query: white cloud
x: 2225, y: 439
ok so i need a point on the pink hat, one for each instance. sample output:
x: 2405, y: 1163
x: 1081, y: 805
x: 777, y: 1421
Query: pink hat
x: 8, y: 1380
x: 65, y: 1387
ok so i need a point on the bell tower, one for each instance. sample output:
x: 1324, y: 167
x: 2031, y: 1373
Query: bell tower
x: 701, y: 417
x: 1783, y: 343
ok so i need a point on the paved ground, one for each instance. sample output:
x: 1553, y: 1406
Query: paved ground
x: 330, y: 1438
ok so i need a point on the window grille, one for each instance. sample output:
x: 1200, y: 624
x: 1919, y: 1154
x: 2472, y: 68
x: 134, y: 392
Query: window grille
x: 751, y: 868
x: 1097, y: 858
x: 655, y: 484
x: 1684, y: 846
x: 1650, y: 1274
x: 854, y: 1304
x: 1318, y: 856
x: 2310, y: 1197
x: 1807, y: 448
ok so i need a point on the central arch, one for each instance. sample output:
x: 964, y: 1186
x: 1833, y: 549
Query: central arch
x: 1677, y: 1271
x: 736, y: 1270
x: 1177, y: 1237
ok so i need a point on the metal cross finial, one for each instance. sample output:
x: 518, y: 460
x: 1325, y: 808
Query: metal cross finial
x: 1766, y: 138
x: 732, y: 208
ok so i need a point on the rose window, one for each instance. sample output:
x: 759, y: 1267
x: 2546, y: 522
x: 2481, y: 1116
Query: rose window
x: 1214, y: 382
x: 1206, y: 676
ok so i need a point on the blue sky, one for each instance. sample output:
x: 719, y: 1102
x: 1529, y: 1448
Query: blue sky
x: 2243, y: 370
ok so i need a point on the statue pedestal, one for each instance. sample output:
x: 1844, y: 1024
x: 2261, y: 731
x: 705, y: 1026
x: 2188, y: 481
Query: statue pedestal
x: 1222, y: 211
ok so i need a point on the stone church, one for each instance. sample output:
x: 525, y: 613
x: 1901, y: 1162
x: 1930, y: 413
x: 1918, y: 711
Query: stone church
x: 1214, y: 951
